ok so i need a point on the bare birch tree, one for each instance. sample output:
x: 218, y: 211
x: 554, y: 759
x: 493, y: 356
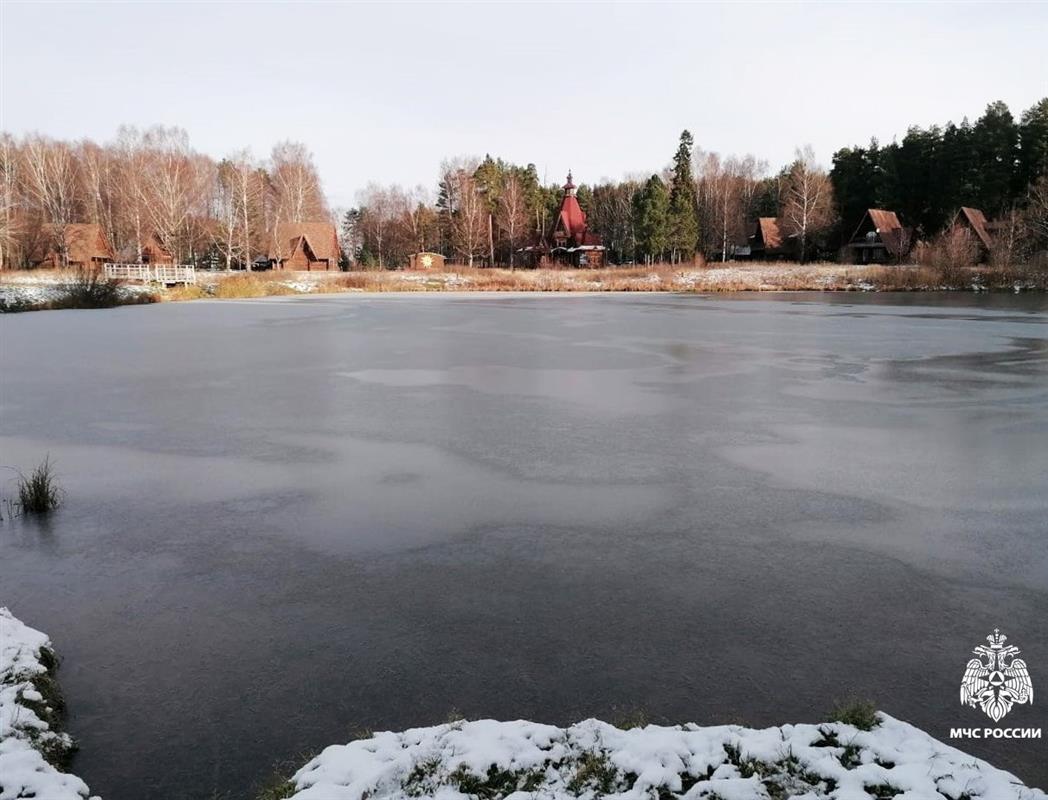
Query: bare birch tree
x: 807, y: 199
x: 175, y: 186
x: 512, y: 213
x: 469, y: 232
x: 51, y: 178
x: 296, y: 184
x: 9, y: 227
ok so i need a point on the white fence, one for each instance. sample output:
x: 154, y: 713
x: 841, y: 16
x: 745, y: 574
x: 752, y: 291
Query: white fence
x: 152, y: 273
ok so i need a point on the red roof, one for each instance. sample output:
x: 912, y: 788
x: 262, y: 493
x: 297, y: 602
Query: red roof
x: 977, y: 220
x: 571, y: 221
x: 320, y: 236
x: 771, y: 232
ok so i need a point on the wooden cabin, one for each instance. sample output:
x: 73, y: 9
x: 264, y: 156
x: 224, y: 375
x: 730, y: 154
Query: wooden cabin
x: 972, y: 224
x: 769, y: 240
x: 305, y: 247
x: 880, y: 238
x: 571, y: 242
x: 154, y: 251
x: 85, y: 247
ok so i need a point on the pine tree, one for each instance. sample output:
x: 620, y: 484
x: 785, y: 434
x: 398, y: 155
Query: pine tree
x: 1033, y: 137
x: 683, y: 219
x: 995, y: 137
x: 653, y: 219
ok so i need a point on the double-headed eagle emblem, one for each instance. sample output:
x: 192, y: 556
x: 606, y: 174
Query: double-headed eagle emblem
x: 996, y: 680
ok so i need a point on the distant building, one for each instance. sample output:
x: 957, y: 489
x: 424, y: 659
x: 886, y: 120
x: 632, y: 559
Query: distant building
x: 879, y: 238
x: 85, y: 246
x: 972, y: 223
x: 769, y: 242
x: 154, y: 251
x: 305, y: 247
x: 571, y: 242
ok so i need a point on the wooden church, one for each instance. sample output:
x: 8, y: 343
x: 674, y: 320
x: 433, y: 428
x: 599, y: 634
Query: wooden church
x: 570, y: 243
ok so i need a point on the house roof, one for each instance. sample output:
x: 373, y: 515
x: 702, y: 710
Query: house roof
x: 153, y: 242
x: 85, y: 241
x: 320, y: 236
x: 884, y: 220
x: 771, y: 232
x: 977, y: 220
x: 889, y: 230
x: 571, y: 221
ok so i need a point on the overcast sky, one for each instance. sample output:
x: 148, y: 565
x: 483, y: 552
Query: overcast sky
x: 383, y: 92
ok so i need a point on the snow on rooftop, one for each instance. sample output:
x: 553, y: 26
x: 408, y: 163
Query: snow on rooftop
x: 592, y: 758
x: 24, y: 731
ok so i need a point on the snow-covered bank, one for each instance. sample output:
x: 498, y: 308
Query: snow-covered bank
x: 29, y: 741
x: 525, y: 759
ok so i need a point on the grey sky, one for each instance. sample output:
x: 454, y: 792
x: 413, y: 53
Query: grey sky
x: 384, y: 92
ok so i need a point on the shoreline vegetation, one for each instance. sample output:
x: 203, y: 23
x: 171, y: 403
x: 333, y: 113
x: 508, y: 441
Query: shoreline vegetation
x: 492, y: 760
x: 35, y: 290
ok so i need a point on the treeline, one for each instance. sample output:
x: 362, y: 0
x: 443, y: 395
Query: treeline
x: 484, y: 211
x: 706, y: 203
x: 998, y: 164
x: 151, y: 184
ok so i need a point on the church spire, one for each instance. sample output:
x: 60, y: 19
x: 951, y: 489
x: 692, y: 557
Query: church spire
x: 569, y: 187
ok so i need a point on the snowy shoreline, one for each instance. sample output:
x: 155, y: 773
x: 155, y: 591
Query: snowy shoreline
x: 522, y: 759
x: 489, y: 759
x: 31, y: 745
x: 29, y: 290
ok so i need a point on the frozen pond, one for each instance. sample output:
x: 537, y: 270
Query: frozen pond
x: 289, y: 520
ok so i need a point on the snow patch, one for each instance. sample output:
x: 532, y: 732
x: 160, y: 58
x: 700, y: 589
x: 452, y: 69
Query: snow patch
x: 594, y: 759
x: 24, y: 731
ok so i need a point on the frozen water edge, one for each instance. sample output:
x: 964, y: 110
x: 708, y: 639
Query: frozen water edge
x: 592, y: 758
x: 26, y: 719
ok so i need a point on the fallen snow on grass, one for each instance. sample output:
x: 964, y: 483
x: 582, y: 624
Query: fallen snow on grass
x: 522, y: 760
x: 29, y: 293
x: 27, y: 732
x: 302, y: 287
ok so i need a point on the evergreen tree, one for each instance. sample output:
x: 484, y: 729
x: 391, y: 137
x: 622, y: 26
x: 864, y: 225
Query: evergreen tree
x: 1033, y: 139
x: 683, y: 219
x: 653, y: 219
x: 995, y: 138
x: 858, y: 184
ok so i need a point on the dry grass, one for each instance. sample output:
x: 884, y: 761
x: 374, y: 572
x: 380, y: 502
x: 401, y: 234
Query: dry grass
x: 250, y: 285
x: 731, y: 277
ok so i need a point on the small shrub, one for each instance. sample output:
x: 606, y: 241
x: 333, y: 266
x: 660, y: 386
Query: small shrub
x: 39, y: 492
x: 89, y: 289
x: 861, y: 714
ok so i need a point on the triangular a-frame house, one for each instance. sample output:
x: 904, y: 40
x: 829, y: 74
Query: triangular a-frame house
x: 879, y: 238
x: 305, y: 246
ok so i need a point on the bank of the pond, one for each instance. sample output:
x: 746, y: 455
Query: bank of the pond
x: 41, y: 290
x: 33, y: 748
x: 591, y: 759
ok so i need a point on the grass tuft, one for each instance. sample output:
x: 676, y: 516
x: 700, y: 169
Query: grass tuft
x: 858, y: 713
x: 39, y: 493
